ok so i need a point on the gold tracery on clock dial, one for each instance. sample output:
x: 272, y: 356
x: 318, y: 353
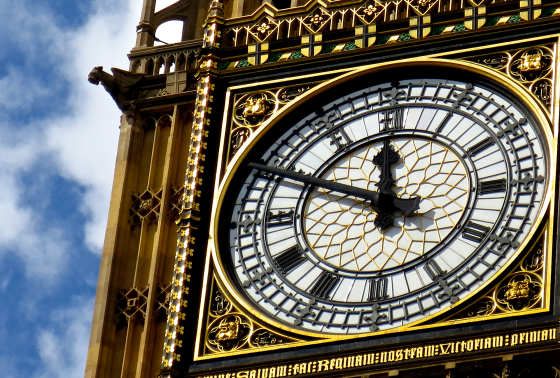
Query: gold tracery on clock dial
x: 340, y: 228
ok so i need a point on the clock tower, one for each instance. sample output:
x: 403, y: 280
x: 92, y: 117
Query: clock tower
x: 355, y: 188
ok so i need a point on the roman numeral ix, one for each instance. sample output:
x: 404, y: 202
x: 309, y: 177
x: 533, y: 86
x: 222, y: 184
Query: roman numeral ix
x: 281, y: 218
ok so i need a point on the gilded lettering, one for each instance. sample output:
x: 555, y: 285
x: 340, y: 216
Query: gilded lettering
x: 399, y: 356
x: 253, y: 374
x: 419, y: 352
x: 444, y: 348
x: 470, y: 345
x: 314, y: 366
x: 264, y: 373
x: 243, y: 374
x: 429, y: 351
x: 344, y: 363
x: 338, y: 363
x: 333, y: 362
x: 391, y: 356
x: 295, y: 370
x: 383, y: 357
x: 522, y: 338
x: 280, y: 371
x: 309, y: 364
x: 544, y: 335
x: 370, y: 359
x: 497, y: 341
x: 303, y: 368
x: 488, y: 343
x: 376, y: 358
x: 533, y: 336
x: 272, y: 372
x: 290, y: 369
x: 463, y: 345
x: 552, y: 334
x: 358, y: 360
x: 351, y: 361
x: 514, y: 339
x: 413, y: 353
x: 323, y: 365
x: 478, y: 344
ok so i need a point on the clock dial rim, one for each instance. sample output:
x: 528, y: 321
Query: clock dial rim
x: 485, y: 77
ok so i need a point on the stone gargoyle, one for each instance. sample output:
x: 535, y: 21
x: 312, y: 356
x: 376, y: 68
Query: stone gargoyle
x: 117, y: 85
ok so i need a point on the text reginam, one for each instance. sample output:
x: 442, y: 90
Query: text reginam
x: 382, y: 357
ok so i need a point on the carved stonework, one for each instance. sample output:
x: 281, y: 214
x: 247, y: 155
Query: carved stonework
x: 251, y: 110
x: 145, y: 207
x: 531, y: 64
x: 229, y: 333
x: 532, y: 67
x: 163, y: 299
x: 120, y: 85
x: 229, y: 329
x: 220, y: 305
x: 131, y: 305
x: 254, y: 109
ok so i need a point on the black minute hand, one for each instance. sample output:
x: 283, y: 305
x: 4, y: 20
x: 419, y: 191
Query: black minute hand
x: 374, y: 197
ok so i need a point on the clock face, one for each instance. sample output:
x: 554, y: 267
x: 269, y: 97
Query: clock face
x: 386, y: 206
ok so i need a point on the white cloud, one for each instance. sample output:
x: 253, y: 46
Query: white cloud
x: 21, y: 93
x: 85, y: 141
x: 63, y: 345
x: 78, y: 143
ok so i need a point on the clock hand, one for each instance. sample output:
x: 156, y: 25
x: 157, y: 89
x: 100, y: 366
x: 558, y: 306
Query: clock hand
x: 385, y: 159
x: 378, y: 200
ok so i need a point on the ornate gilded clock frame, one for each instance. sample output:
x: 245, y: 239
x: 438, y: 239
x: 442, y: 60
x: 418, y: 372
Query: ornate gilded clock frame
x: 213, y: 256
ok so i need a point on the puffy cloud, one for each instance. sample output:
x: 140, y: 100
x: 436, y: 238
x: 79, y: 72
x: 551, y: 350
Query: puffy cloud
x: 59, y: 135
x: 58, y: 130
x: 63, y: 344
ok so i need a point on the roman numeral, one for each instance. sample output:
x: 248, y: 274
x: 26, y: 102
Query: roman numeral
x: 492, y: 186
x: 433, y: 270
x: 324, y: 285
x: 340, y: 138
x: 378, y: 289
x: 393, y: 119
x: 475, y: 232
x: 480, y: 146
x: 281, y: 218
x: 289, y: 259
x: 444, y: 122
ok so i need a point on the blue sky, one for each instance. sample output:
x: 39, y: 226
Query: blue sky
x: 58, y: 140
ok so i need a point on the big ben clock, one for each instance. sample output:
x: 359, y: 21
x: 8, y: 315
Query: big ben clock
x: 383, y: 200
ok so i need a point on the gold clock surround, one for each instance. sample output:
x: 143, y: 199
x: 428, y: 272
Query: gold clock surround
x: 213, y: 253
